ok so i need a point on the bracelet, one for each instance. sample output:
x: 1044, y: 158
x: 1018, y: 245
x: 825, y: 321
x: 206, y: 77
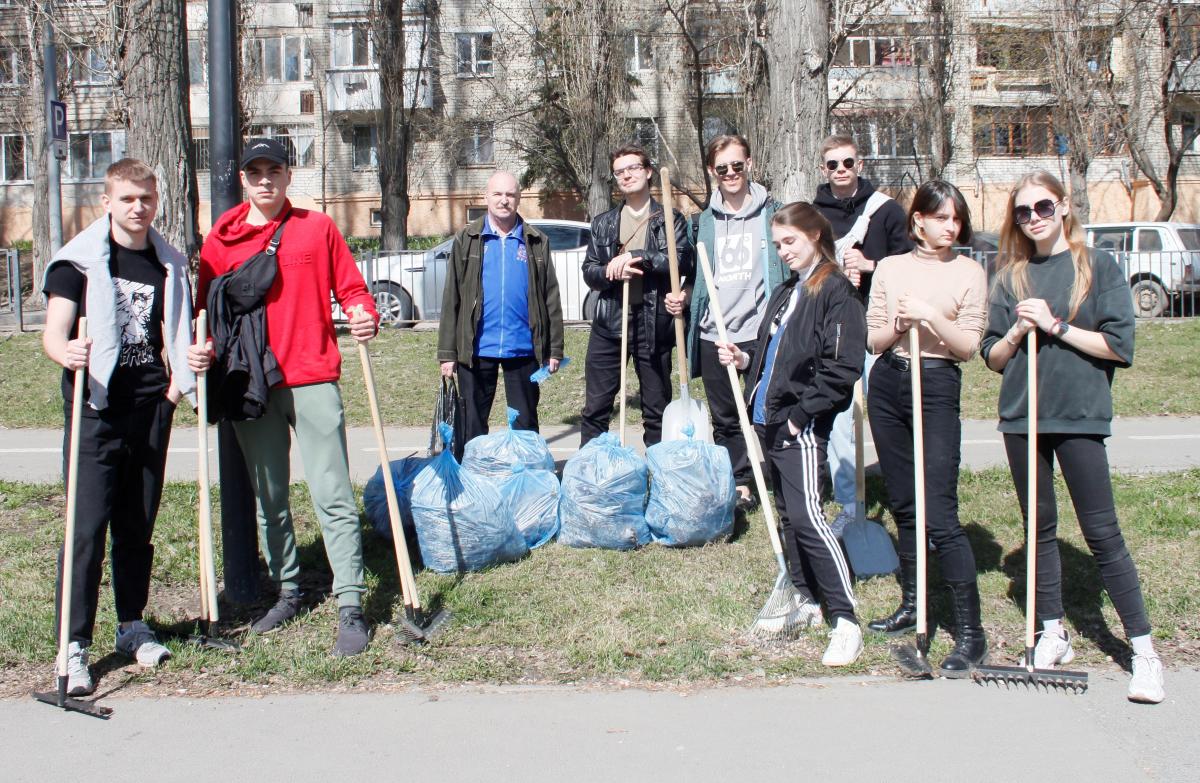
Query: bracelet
x: 1008, y: 339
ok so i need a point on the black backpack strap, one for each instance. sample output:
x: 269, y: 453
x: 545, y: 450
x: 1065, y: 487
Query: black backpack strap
x: 273, y: 245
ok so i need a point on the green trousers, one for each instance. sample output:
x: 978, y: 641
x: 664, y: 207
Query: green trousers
x: 315, y: 413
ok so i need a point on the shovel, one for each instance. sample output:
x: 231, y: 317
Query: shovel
x: 914, y: 658
x: 59, y: 698
x: 685, y: 410
x: 868, y: 545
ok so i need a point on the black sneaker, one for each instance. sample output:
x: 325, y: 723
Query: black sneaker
x: 746, y: 503
x: 353, y: 633
x: 284, y: 609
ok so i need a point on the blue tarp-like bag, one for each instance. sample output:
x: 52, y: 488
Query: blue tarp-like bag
x: 493, y: 455
x: 691, y: 492
x: 603, y: 499
x: 458, y: 517
x: 375, y: 496
x: 530, y: 499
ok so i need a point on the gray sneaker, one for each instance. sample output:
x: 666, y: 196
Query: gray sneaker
x: 284, y: 609
x: 79, y: 678
x: 353, y: 633
x: 139, y: 642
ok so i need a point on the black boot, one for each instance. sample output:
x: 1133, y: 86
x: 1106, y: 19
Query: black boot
x: 970, y: 644
x: 904, y: 619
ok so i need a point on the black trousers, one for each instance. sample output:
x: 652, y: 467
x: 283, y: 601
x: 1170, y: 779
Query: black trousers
x: 723, y: 408
x: 889, y: 396
x: 1084, y: 463
x: 477, y: 388
x: 814, y: 555
x: 651, y: 362
x: 122, y: 458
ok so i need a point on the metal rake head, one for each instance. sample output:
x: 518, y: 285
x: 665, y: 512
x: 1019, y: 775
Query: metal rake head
x: 1038, y: 679
x: 778, y: 618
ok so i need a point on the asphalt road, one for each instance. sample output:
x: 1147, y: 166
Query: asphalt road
x: 1151, y: 444
x: 860, y: 729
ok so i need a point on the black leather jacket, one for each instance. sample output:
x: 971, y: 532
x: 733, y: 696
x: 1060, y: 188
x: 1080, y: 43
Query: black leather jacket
x: 656, y: 282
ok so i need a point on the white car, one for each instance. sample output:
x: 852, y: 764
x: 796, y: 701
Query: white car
x: 408, y: 285
x: 1160, y: 260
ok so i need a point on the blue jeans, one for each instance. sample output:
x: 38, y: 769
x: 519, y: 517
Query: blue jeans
x: 841, y: 446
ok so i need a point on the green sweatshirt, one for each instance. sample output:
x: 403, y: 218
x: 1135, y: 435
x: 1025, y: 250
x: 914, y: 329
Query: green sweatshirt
x: 1074, y: 389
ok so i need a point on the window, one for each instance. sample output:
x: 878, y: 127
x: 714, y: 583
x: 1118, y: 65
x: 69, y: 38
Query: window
x: 564, y: 237
x: 1185, y: 123
x: 1114, y: 240
x: 15, y: 165
x: 376, y: 217
x: 10, y: 67
x: 304, y: 14
x: 479, y: 146
x: 88, y: 66
x: 296, y: 139
x: 1014, y: 132
x: 308, y: 102
x: 366, y: 146
x: 873, y: 51
x: 277, y: 59
x: 881, y: 135
x: 1010, y: 49
x: 352, y: 46
x: 639, y: 52
x: 197, y: 73
x: 474, y: 54
x: 474, y: 213
x: 200, y: 149
x: 89, y: 154
x: 1149, y: 239
x: 645, y: 134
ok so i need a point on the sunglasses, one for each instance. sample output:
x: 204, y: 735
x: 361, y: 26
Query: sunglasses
x: 737, y: 167
x: 847, y: 164
x: 1044, y: 209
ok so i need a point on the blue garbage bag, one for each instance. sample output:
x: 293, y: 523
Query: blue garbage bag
x: 375, y: 496
x: 493, y: 455
x: 603, y: 498
x: 458, y: 517
x: 530, y: 499
x: 692, y: 494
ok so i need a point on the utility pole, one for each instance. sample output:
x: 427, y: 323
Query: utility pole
x: 239, y: 525
x: 53, y: 174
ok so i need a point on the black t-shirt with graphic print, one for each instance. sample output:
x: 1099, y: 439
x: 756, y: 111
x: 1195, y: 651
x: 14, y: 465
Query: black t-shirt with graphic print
x: 139, y: 280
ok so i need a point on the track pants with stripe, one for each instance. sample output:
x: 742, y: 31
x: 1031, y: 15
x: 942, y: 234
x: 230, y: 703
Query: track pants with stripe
x: 814, y: 555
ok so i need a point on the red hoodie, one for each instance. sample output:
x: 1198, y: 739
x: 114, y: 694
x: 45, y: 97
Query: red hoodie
x: 313, y: 261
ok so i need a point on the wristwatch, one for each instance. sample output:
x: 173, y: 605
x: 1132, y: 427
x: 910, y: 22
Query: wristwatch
x: 1060, y: 328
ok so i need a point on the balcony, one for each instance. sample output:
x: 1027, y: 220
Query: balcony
x: 357, y: 89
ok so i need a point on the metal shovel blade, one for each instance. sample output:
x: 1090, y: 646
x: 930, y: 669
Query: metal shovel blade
x: 870, y: 549
x: 682, y: 412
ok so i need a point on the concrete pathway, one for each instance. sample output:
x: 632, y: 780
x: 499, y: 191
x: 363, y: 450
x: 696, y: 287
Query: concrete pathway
x: 862, y: 729
x: 1138, y: 445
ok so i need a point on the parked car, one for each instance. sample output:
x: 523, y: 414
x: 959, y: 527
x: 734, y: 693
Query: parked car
x: 408, y: 285
x: 1160, y: 260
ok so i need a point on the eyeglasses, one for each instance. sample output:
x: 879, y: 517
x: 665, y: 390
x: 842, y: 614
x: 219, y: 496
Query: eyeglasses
x: 847, y: 164
x: 1044, y: 209
x: 738, y: 166
x: 628, y: 170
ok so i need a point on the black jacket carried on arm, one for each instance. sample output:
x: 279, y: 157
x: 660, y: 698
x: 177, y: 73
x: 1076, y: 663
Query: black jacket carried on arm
x: 887, y: 234
x: 462, y: 298
x: 656, y: 280
x: 820, y: 354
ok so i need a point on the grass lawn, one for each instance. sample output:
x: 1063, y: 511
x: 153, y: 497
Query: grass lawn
x: 568, y: 616
x: 1165, y: 379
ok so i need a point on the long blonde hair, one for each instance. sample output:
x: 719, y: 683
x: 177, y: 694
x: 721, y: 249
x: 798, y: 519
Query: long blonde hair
x: 1012, y: 264
x: 804, y: 217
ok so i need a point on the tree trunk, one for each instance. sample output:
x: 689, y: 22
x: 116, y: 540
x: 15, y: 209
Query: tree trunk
x: 395, y: 130
x: 40, y: 155
x: 153, y: 60
x: 797, y: 43
x: 1081, y: 204
x: 599, y: 192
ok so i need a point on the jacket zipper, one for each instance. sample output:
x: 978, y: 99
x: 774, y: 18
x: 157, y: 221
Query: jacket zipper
x: 837, y: 343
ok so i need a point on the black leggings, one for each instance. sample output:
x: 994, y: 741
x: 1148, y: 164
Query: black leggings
x: 1084, y: 464
x: 890, y: 398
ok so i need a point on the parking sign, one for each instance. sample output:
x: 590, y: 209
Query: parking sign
x: 58, y: 128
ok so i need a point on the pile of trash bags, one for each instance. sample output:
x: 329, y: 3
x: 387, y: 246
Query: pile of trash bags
x: 603, y: 499
x: 375, y: 496
x: 692, y: 494
x: 495, y: 454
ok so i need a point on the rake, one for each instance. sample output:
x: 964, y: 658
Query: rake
x: 417, y: 625
x: 59, y: 697
x: 777, y: 618
x: 1028, y: 675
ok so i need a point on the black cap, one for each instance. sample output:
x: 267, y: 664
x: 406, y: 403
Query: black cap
x: 267, y: 149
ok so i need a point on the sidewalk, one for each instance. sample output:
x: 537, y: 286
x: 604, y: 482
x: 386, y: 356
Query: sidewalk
x: 854, y: 729
x: 1153, y: 444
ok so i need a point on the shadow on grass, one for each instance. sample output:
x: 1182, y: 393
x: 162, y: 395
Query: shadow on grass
x: 1082, y: 595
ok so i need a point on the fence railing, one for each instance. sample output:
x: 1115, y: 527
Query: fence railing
x: 408, y: 284
x: 12, y: 294
x: 1163, y: 283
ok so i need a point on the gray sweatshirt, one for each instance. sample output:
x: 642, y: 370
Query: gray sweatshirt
x: 740, y: 245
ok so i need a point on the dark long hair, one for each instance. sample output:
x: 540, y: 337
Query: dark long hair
x: 805, y: 218
x: 929, y: 198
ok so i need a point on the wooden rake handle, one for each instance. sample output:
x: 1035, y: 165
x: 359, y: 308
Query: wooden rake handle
x: 208, y: 574
x: 918, y: 413
x: 1031, y: 471
x: 68, y: 562
x: 668, y: 202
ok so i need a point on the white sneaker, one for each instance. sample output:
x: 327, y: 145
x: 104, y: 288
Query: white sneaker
x: 79, y: 678
x: 1147, y: 683
x: 1052, y: 650
x: 140, y: 643
x: 806, y: 614
x: 843, y: 518
x: 845, y: 644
